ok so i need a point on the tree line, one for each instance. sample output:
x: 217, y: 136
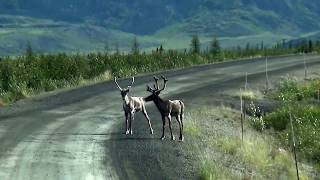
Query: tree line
x: 33, y: 73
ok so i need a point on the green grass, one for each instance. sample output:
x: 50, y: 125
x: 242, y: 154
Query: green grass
x: 192, y: 130
x: 249, y: 95
x: 210, y: 170
x: 261, y: 154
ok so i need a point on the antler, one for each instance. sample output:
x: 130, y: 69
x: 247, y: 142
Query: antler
x: 131, y: 83
x: 156, y: 86
x: 156, y: 79
x: 165, y: 80
x: 115, y: 81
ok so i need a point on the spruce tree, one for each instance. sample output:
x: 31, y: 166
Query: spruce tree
x: 117, y: 51
x: 262, y: 45
x: 135, y: 46
x: 290, y: 45
x: 310, y: 46
x: 284, y: 42
x: 195, y: 44
x: 247, y: 50
x: 161, y: 49
x: 215, y: 48
x: 106, y: 47
x: 29, y: 51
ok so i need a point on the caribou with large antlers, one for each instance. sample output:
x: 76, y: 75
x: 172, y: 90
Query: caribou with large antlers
x: 167, y: 108
x: 131, y: 105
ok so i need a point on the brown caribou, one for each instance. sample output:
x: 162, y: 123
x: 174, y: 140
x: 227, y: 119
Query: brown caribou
x: 167, y: 108
x: 131, y: 105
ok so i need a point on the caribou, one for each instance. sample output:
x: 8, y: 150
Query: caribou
x: 167, y: 108
x: 131, y: 105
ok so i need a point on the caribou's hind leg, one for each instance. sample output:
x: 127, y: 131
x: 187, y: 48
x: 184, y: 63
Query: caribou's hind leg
x: 180, y: 127
x: 170, y: 127
x: 163, y: 127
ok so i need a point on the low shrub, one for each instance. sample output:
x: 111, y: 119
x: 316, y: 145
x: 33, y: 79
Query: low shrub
x: 289, y: 90
x: 306, y: 123
x: 278, y: 120
x: 256, y: 119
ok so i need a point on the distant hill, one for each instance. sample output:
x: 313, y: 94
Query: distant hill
x: 151, y: 20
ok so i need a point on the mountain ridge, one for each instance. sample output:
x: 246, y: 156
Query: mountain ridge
x: 145, y: 17
x: 154, y: 22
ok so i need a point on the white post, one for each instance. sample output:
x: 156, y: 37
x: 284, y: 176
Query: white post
x: 294, y: 146
x: 242, y: 116
x: 305, y: 67
x: 267, y: 77
x: 245, y: 86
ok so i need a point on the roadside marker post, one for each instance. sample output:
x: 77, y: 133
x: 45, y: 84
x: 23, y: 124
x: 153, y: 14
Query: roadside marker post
x: 267, y: 76
x: 246, y: 84
x: 242, y: 114
x: 294, y: 146
x: 305, y: 67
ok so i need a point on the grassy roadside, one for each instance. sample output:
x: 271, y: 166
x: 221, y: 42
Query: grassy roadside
x: 221, y: 153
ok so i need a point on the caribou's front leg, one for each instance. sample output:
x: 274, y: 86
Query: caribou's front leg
x: 172, y: 136
x: 163, y: 127
x: 131, y: 121
x: 148, y: 119
x: 127, y: 125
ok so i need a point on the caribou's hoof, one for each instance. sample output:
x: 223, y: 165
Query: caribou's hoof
x: 163, y: 137
x: 151, y: 131
x: 127, y: 132
x: 181, y: 138
x: 173, y: 138
x: 131, y: 132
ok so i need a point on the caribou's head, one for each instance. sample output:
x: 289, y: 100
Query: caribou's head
x: 124, y: 91
x: 155, y: 91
